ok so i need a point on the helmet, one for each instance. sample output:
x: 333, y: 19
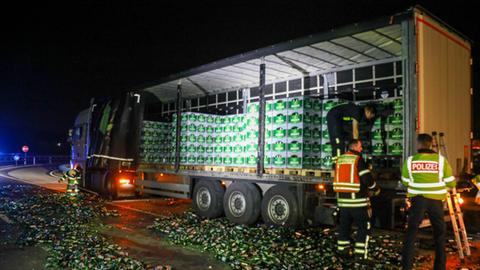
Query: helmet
x: 72, y: 172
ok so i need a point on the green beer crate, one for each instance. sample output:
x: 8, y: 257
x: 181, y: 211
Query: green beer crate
x: 395, y: 149
x: 279, y: 160
x: 300, y: 104
x: 279, y: 105
x: 396, y: 119
x: 294, y: 161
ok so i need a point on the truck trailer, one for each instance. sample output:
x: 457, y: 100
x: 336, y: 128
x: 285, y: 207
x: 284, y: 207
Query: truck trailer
x: 414, y: 67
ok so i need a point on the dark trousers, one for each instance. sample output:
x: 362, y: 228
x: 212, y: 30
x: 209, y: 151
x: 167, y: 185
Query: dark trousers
x: 335, y: 133
x: 434, y: 209
x: 360, y: 217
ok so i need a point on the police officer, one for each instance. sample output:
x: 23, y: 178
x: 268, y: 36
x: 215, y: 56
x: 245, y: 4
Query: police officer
x: 344, y: 114
x: 353, y: 182
x: 427, y: 175
x: 72, y: 177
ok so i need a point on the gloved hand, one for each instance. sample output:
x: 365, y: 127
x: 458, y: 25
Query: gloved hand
x: 408, y: 203
x: 374, y: 192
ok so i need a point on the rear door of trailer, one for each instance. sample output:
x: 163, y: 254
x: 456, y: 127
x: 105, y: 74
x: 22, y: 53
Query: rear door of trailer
x: 444, y: 86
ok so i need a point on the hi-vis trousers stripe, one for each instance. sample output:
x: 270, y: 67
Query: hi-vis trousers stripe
x: 362, y: 248
x: 342, y: 245
x: 362, y: 202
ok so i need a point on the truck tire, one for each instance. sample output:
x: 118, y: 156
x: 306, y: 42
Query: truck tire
x: 280, y: 207
x: 242, y: 203
x: 110, y: 187
x: 207, y: 198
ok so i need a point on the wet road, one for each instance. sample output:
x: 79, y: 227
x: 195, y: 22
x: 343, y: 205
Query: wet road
x: 128, y: 229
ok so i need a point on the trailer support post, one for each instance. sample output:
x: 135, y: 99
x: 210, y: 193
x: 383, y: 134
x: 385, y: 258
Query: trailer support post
x: 178, y: 132
x: 261, y: 120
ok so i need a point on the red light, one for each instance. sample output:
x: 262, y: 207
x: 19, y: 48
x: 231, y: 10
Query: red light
x: 124, y: 181
x: 460, y: 200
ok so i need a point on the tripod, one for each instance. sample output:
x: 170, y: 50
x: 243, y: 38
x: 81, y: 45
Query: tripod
x: 454, y: 210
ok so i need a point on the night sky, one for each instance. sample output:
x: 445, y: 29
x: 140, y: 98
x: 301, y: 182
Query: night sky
x: 54, y: 58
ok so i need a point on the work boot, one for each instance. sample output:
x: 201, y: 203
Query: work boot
x: 362, y: 260
x: 345, y: 254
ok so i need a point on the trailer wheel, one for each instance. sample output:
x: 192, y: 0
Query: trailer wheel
x: 280, y: 207
x: 110, y: 187
x: 207, y: 199
x: 241, y: 203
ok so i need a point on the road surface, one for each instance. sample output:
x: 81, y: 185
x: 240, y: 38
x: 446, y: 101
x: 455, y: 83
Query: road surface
x: 128, y: 230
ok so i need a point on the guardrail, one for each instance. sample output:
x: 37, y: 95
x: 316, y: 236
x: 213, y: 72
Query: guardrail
x: 21, y: 159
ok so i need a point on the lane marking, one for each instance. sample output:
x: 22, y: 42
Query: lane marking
x: 51, y: 174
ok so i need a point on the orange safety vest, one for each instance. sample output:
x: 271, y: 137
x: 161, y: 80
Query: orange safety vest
x: 346, y: 178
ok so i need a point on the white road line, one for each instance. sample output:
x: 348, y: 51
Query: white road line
x: 51, y: 174
x: 6, y: 219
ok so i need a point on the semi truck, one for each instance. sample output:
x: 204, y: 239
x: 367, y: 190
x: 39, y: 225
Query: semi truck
x: 413, y: 66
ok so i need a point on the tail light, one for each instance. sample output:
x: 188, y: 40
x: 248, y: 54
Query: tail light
x: 125, y: 178
x: 124, y: 181
x: 320, y: 187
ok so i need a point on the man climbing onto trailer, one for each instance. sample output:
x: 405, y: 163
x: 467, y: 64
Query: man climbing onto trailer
x: 343, y: 114
x: 353, y: 184
x: 427, y: 175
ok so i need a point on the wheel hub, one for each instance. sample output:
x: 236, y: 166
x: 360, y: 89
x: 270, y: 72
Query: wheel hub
x: 237, y: 204
x: 278, y: 209
x: 204, y: 199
